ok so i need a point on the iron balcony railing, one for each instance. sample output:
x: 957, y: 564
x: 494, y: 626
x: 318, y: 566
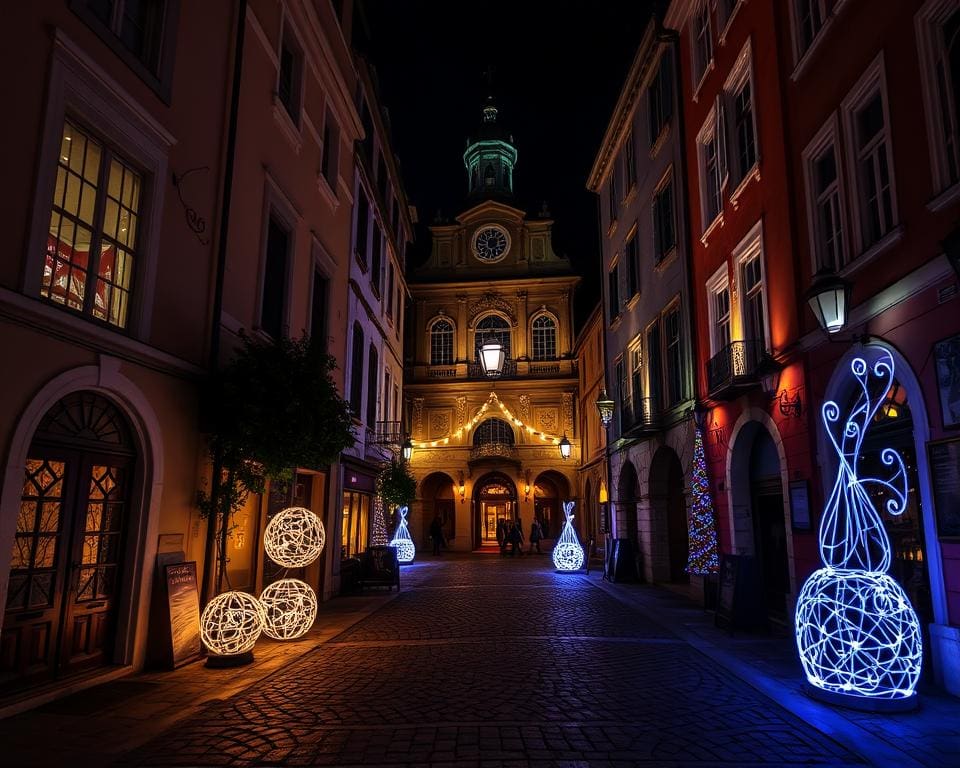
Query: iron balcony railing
x: 493, y: 451
x: 388, y: 433
x: 735, y: 367
x: 475, y: 370
x: 639, y: 415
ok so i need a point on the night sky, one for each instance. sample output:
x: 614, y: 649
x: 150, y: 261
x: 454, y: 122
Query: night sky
x: 557, y: 70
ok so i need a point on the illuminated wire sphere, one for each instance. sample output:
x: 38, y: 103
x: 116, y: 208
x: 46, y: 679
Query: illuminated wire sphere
x: 567, y: 553
x: 231, y: 623
x: 406, y: 549
x: 294, y: 537
x: 858, y: 635
x: 290, y: 607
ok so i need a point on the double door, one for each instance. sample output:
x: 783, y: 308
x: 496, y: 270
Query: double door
x: 66, y: 569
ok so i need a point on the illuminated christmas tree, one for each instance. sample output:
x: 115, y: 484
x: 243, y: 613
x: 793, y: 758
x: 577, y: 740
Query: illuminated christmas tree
x: 702, y: 526
x: 378, y: 524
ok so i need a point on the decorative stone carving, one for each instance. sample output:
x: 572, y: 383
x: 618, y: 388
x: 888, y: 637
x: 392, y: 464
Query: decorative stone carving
x: 548, y: 420
x: 461, y: 411
x: 439, y: 424
x: 491, y: 301
x: 418, y: 417
x: 568, y: 411
x: 523, y: 412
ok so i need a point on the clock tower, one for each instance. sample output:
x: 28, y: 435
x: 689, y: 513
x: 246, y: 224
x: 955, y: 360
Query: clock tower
x: 490, y: 158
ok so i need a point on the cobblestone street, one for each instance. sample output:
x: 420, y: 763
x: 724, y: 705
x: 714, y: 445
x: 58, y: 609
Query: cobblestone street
x: 489, y: 662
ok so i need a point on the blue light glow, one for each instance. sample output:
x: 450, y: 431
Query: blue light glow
x: 406, y: 550
x: 856, y: 631
x: 567, y: 553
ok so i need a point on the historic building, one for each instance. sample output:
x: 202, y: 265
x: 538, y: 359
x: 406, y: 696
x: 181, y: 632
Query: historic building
x: 487, y: 449
x: 639, y: 174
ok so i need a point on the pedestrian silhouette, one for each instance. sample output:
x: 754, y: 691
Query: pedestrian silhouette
x: 436, y: 533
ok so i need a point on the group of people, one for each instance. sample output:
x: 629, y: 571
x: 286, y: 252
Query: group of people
x: 510, y: 533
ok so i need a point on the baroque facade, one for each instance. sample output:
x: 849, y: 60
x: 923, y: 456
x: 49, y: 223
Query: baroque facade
x: 486, y: 449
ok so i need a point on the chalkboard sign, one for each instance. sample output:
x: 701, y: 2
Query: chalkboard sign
x: 623, y: 566
x: 184, y: 611
x: 945, y: 467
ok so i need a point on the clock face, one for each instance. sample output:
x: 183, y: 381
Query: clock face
x: 491, y: 244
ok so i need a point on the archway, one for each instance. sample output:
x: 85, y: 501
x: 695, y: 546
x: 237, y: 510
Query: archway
x: 494, y: 499
x: 550, y: 490
x: 437, y: 498
x: 71, y: 551
x: 669, y: 508
x: 627, y: 493
x: 756, y: 484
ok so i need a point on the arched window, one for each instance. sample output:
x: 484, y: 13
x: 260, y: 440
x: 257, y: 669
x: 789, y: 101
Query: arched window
x: 441, y: 343
x: 493, y: 431
x: 493, y: 328
x: 544, y: 338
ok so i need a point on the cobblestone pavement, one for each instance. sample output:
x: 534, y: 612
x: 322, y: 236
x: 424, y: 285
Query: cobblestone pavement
x: 492, y: 662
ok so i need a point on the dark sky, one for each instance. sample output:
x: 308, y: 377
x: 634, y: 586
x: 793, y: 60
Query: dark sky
x: 558, y: 69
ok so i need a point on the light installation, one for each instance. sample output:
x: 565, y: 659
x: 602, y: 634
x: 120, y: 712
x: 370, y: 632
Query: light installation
x: 406, y: 550
x: 857, y: 634
x: 294, y: 537
x: 378, y: 524
x: 567, y: 553
x: 231, y: 623
x: 702, y: 557
x: 290, y: 608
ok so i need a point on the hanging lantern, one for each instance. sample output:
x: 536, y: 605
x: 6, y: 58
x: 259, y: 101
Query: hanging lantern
x: 492, y: 357
x: 829, y: 298
x: 605, y: 406
x: 407, y: 449
x: 565, y: 448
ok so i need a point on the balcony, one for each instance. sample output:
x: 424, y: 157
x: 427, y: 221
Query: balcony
x: 494, y: 452
x: 639, y: 416
x: 735, y: 369
x: 388, y: 434
x: 512, y: 369
x: 475, y: 370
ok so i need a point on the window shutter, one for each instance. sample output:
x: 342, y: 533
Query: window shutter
x: 720, y: 131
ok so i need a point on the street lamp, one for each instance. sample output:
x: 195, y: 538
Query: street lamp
x: 407, y: 449
x: 605, y: 406
x: 769, y: 372
x: 492, y: 357
x: 700, y: 413
x: 829, y: 298
x: 564, y: 447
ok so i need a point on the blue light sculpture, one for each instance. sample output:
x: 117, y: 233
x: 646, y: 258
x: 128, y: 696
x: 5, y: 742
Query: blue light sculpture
x: 567, y: 553
x: 406, y: 550
x: 858, y: 636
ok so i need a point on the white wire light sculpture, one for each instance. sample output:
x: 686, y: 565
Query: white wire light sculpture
x: 294, y: 537
x: 567, y: 553
x: 290, y: 608
x: 231, y: 623
x: 857, y: 633
x: 406, y: 549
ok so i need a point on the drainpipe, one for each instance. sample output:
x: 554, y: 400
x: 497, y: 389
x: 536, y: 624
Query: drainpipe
x: 603, y: 354
x: 209, y: 564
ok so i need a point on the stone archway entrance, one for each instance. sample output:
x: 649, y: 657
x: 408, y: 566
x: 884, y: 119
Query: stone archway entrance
x: 669, y: 508
x: 494, y: 499
x: 549, y: 490
x: 437, y: 498
x: 67, y: 568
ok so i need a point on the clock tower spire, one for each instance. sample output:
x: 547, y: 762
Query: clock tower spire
x: 491, y: 157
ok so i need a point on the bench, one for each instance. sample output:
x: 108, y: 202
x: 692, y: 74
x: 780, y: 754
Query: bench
x: 379, y: 568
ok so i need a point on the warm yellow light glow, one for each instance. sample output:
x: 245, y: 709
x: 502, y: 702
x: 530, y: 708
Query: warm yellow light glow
x: 231, y: 623
x: 294, y: 537
x: 603, y: 494
x: 290, y: 607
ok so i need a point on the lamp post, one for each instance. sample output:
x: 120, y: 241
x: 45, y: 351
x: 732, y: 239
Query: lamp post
x: 564, y: 447
x: 407, y: 449
x: 829, y: 298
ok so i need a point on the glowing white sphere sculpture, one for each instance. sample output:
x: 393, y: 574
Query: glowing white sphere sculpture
x: 294, y: 537
x: 567, y: 552
x: 290, y: 607
x: 231, y: 623
x: 857, y: 634
x: 406, y: 549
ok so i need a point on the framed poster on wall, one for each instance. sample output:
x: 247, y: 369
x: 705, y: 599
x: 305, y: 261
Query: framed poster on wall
x: 945, y: 468
x: 946, y: 355
x: 800, y: 505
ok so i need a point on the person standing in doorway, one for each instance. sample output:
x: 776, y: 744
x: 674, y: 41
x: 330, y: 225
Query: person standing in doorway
x: 436, y: 533
x: 536, y: 533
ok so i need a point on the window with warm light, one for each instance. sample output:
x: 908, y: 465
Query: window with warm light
x: 92, y: 241
x: 441, y: 343
x: 544, y: 338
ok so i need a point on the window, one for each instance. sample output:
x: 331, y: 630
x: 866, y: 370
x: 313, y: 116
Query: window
x: 441, y: 343
x: 360, y: 228
x: 871, y: 158
x: 656, y: 361
x: 938, y: 41
x: 290, y: 76
x: 386, y: 396
x: 725, y: 10
x: 544, y: 338
x: 355, y: 523
x: 719, y: 309
x: 318, y: 309
x: 92, y: 242
x: 390, y: 292
x: 614, y: 199
x: 712, y: 166
x: 824, y: 200
x: 630, y: 162
x: 398, y: 309
x: 632, y: 257
x: 613, y: 292
x: 493, y: 328
x: 751, y: 281
x: 810, y: 16
x: 494, y: 431
x: 275, y: 278
x: 356, y: 371
x: 636, y: 374
x: 373, y: 379
x: 673, y: 373
x: 623, y: 396
x: 329, y: 160
x: 737, y: 102
x: 660, y: 99
x: 376, y: 263
x: 664, y: 220
x: 702, y: 42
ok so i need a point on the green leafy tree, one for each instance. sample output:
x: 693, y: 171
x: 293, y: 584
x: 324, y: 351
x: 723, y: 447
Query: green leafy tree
x: 395, y: 485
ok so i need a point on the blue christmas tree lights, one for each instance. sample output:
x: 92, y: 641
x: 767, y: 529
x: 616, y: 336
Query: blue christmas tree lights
x: 857, y: 634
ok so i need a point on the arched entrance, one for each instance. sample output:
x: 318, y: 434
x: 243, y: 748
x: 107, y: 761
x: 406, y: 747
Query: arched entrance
x: 627, y: 492
x: 756, y: 482
x: 67, y: 568
x: 669, y: 507
x: 437, y: 498
x: 549, y: 490
x: 494, y: 499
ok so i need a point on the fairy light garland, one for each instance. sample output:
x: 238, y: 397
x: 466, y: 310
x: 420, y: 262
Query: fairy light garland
x: 492, y: 400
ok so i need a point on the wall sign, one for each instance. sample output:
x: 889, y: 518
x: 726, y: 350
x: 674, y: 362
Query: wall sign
x: 946, y: 355
x: 945, y: 467
x: 800, y: 505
